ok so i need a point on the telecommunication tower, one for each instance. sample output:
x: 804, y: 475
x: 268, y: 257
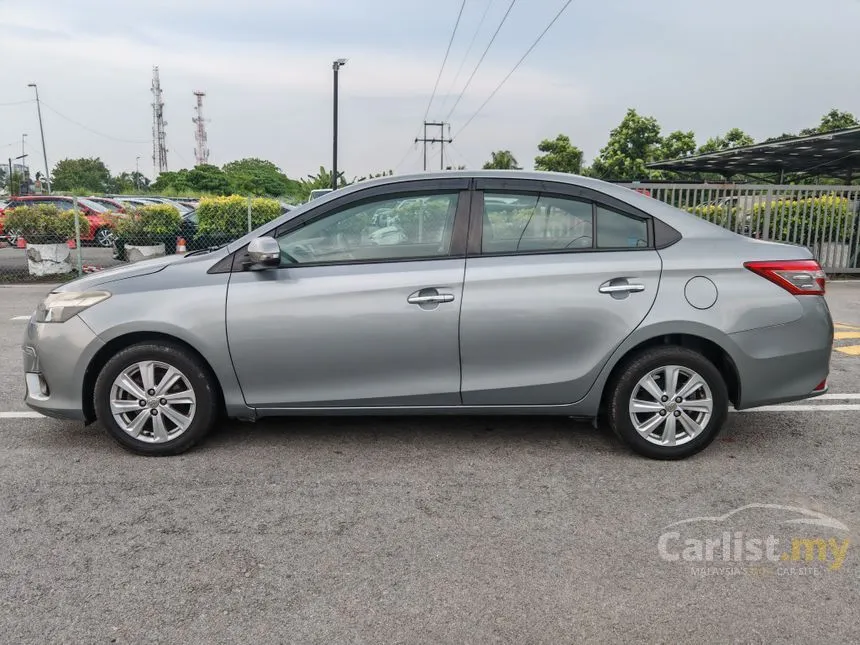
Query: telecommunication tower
x: 201, y: 152
x: 159, y: 137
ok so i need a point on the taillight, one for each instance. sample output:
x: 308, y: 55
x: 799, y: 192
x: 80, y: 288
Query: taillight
x: 800, y: 277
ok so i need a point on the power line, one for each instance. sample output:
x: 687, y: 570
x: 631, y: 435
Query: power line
x: 412, y: 148
x: 519, y: 62
x: 459, y: 154
x: 468, y: 51
x: 16, y: 103
x: 444, y: 60
x: 481, y: 60
x: 89, y: 129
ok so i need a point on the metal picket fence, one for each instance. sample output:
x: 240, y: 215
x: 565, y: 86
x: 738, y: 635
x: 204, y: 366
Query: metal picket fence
x: 823, y: 218
x: 71, y: 238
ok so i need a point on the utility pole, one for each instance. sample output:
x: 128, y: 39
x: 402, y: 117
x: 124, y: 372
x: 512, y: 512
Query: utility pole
x: 42, y: 132
x: 137, y: 173
x: 336, y: 65
x: 441, y: 140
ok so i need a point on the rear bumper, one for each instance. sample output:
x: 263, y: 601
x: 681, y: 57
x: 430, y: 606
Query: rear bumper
x: 56, y: 356
x: 785, y: 362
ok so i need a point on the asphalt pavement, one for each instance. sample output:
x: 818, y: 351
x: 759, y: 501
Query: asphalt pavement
x: 431, y: 530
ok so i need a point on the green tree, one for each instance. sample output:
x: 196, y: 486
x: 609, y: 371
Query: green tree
x: 15, y: 181
x: 90, y: 175
x: 129, y: 182
x: 258, y: 177
x: 377, y: 175
x: 734, y: 138
x: 174, y: 180
x: 559, y: 156
x: 209, y: 179
x: 833, y: 120
x: 320, y: 180
x: 201, y: 179
x: 676, y: 145
x: 631, y: 145
x: 502, y: 160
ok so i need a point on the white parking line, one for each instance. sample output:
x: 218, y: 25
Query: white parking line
x: 787, y: 407
x: 839, y: 397
x: 28, y: 414
x: 20, y: 318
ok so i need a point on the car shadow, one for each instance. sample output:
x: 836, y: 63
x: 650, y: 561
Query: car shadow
x: 427, y: 431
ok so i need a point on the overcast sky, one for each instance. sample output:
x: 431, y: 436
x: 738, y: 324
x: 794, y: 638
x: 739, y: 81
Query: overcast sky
x: 766, y: 66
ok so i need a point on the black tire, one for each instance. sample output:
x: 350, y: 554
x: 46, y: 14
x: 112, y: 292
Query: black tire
x: 196, y: 374
x: 620, y: 391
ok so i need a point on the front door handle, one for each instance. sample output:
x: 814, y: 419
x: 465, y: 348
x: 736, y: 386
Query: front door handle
x: 622, y: 288
x: 431, y: 299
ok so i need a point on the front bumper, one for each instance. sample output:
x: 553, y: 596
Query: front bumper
x: 56, y: 356
x: 786, y: 362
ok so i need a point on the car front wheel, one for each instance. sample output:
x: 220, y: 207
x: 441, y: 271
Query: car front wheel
x: 156, y: 399
x: 104, y: 237
x: 668, y: 403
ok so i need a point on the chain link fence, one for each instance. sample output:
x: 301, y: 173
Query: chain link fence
x: 54, y: 239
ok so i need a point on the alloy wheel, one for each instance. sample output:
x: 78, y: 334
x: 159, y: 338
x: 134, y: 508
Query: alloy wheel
x: 671, y: 405
x: 104, y: 237
x: 153, y: 401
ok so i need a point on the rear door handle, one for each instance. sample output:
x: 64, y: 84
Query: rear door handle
x: 621, y: 288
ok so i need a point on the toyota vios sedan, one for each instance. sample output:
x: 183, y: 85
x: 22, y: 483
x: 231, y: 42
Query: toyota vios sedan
x: 458, y: 293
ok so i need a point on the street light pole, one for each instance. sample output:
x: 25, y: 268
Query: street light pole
x: 23, y: 161
x: 42, y: 132
x: 336, y: 65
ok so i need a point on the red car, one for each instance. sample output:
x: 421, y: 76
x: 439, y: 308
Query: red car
x: 100, y: 232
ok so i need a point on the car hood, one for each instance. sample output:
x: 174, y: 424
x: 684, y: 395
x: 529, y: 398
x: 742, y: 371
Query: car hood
x: 99, y: 278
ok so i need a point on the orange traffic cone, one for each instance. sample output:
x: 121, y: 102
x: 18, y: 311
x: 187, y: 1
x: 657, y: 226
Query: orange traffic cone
x: 21, y: 243
x: 180, y: 245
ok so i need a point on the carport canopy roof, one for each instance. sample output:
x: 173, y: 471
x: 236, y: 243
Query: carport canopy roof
x: 834, y: 153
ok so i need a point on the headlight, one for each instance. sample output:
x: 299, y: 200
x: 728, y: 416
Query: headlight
x: 59, y: 307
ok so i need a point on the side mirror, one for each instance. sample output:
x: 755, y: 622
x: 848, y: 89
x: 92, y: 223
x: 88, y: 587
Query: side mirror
x: 264, y: 253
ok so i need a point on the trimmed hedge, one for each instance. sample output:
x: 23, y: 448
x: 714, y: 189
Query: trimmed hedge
x: 227, y: 217
x: 823, y: 219
x: 805, y: 220
x: 44, y: 224
x: 148, y: 224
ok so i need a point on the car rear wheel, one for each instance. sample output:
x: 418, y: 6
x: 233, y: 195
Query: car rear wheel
x: 156, y: 399
x: 668, y: 403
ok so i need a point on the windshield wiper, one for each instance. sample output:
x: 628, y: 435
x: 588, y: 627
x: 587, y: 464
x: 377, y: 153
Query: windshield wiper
x: 209, y: 249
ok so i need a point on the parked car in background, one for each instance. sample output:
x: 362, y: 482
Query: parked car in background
x: 569, y: 296
x: 112, y: 205
x: 317, y: 193
x: 143, y: 200
x: 100, y: 230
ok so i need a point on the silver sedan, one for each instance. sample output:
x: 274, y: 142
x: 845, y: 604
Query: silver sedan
x: 454, y: 293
